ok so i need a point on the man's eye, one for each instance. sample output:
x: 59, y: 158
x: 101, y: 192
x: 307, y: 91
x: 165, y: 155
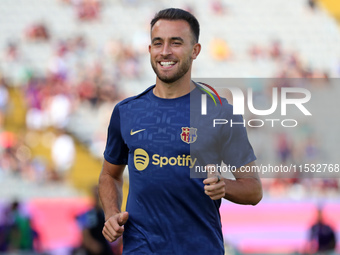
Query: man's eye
x: 177, y: 43
x: 157, y: 44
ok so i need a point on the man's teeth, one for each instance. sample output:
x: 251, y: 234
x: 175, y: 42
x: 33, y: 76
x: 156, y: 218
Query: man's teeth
x: 167, y: 63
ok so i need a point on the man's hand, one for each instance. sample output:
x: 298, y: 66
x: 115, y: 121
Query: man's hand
x: 114, y: 226
x: 214, y: 184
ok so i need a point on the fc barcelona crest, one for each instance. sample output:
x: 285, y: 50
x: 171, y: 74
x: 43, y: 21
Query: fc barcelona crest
x: 189, y: 135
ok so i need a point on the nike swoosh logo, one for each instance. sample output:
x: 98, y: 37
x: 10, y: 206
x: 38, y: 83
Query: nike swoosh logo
x: 135, y: 132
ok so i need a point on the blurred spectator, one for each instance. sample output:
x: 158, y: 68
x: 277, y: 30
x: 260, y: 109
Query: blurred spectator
x: 63, y: 153
x: 256, y: 52
x: 22, y: 235
x: 275, y: 50
x: 58, y: 110
x: 219, y: 49
x: 35, y: 96
x: 312, y: 4
x: 284, y: 148
x: 87, y: 91
x: 322, y: 236
x: 4, y: 99
x: 311, y: 150
x: 128, y: 63
x: 78, y: 45
x: 11, y: 51
x: 8, y: 160
x: 88, y: 10
x: 114, y: 50
x: 91, y: 224
x: 48, y: 102
x: 37, y: 170
x: 37, y: 32
x: 4, y: 231
x: 217, y: 7
x: 57, y: 66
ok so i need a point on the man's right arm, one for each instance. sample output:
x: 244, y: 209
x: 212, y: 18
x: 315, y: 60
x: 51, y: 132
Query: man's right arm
x: 110, y: 193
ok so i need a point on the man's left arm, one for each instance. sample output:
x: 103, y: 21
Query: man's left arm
x: 245, y: 189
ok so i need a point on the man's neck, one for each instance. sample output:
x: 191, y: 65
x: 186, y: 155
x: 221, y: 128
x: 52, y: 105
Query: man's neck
x: 173, y: 90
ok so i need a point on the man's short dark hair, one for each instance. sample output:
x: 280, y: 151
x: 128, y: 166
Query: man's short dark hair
x: 179, y: 14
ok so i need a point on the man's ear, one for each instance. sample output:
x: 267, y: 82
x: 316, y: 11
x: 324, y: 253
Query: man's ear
x: 196, y: 50
x: 150, y: 48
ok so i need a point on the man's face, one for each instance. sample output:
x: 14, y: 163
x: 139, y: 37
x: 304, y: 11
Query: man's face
x: 172, y: 49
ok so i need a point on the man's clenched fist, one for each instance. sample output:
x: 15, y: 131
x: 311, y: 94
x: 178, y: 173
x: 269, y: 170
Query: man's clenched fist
x: 114, y: 226
x: 214, y: 184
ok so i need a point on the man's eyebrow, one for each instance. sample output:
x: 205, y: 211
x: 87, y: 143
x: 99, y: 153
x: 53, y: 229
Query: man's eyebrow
x: 176, y: 38
x: 156, y: 39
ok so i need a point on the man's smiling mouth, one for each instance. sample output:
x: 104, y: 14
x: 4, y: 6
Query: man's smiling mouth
x: 167, y: 63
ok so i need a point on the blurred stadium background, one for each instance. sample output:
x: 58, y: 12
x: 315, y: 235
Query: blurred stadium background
x: 65, y: 63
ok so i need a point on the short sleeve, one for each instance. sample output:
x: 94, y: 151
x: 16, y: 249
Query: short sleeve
x: 116, y: 151
x: 236, y: 149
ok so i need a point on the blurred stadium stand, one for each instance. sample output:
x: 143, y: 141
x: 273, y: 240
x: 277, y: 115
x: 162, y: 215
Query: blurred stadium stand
x: 97, y: 54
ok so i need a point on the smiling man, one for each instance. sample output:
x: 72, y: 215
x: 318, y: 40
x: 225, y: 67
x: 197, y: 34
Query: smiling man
x: 167, y: 211
x: 172, y: 56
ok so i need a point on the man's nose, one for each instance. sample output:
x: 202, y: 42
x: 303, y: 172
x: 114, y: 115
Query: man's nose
x: 166, y: 50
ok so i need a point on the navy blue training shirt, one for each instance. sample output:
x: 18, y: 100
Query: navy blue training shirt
x: 169, y: 213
